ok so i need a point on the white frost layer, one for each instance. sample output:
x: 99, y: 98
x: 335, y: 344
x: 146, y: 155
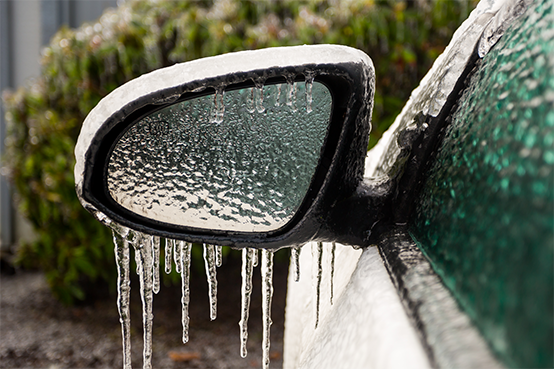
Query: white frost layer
x: 366, y: 327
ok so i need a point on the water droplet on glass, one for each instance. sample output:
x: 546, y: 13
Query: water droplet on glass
x: 122, y: 260
x: 185, y: 290
x: 295, y: 259
x: 267, y: 295
x: 246, y: 291
x: 209, y: 261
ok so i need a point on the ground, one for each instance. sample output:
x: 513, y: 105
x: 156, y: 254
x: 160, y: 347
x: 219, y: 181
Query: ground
x: 36, y: 331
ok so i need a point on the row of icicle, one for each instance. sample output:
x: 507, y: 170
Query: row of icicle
x: 147, y: 257
x: 255, y: 100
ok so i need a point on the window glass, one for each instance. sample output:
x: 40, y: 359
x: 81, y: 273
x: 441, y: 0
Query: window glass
x: 485, y: 217
x: 238, y: 161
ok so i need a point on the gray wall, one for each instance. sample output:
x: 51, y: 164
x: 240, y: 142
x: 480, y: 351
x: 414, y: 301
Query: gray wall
x: 25, y: 27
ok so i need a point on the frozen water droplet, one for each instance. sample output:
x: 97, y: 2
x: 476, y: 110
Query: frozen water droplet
x: 246, y: 291
x: 309, y: 96
x: 255, y: 258
x: 143, y: 257
x: 295, y: 259
x: 185, y: 290
x: 177, y: 254
x: 123, y: 294
x: 168, y: 256
x: 333, y: 249
x: 218, y: 256
x: 218, y: 106
x: 317, y: 257
x: 267, y: 294
x: 209, y: 260
x: 155, y: 240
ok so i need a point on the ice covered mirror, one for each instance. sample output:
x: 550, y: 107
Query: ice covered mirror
x: 255, y: 149
x: 259, y: 148
x: 236, y: 160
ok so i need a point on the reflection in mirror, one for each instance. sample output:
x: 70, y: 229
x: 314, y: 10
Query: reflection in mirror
x: 241, y: 160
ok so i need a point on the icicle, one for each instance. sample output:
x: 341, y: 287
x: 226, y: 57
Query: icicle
x: 333, y: 249
x: 168, y: 256
x: 123, y: 293
x: 246, y: 291
x: 143, y: 257
x: 156, y: 263
x: 259, y: 98
x: 278, y: 95
x: 250, y: 106
x: 267, y: 294
x: 185, y: 290
x: 295, y: 259
x: 317, y: 261
x: 218, y: 256
x: 209, y: 260
x: 177, y: 254
x: 291, y: 95
x: 255, y: 258
x: 309, y: 97
x: 218, y: 107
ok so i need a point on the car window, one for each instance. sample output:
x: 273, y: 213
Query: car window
x: 485, y: 216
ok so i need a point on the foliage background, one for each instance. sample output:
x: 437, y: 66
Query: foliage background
x: 81, y: 66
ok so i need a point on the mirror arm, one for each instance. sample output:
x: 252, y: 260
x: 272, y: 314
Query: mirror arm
x: 351, y: 221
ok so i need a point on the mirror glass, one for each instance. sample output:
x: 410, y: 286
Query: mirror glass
x: 241, y: 160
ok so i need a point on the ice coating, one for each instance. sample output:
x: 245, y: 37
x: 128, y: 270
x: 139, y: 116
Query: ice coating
x: 176, y: 165
x: 430, y: 96
x: 201, y: 69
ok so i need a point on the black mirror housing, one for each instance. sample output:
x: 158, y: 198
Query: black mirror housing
x: 336, y: 185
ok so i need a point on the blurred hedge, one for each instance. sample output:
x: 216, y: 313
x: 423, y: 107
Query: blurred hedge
x: 83, y: 65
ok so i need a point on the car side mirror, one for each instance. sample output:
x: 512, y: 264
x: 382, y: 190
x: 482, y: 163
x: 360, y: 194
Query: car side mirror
x: 260, y: 148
